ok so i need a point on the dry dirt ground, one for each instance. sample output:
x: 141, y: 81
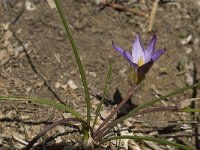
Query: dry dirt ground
x: 36, y: 60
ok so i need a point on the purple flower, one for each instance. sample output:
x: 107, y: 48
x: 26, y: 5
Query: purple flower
x: 141, y: 60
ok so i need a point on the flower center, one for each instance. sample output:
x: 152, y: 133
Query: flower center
x: 140, y: 62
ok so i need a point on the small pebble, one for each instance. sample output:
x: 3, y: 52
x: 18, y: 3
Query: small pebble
x: 72, y: 85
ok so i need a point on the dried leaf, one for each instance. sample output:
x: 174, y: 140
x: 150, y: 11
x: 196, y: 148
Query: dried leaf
x: 72, y: 85
x: 52, y: 4
x: 187, y: 102
x: 30, y: 6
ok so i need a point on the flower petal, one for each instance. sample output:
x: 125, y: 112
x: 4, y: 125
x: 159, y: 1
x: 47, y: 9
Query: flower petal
x: 148, y: 53
x: 158, y: 54
x: 126, y: 54
x: 143, y: 70
x: 137, y: 50
x: 135, y: 66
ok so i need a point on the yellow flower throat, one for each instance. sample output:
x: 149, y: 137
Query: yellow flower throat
x: 140, y: 62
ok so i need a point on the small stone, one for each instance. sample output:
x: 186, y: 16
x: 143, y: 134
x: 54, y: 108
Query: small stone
x: 186, y: 40
x: 122, y: 71
x: 163, y: 71
x: 25, y: 117
x: 58, y: 139
x: 52, y: 4
x: 188, y: 50
x: 93, y: 74
x: 66, y: 115
x: 30, y: 6
x: 40, y: 83
x: 73, y: 72
x: 72, y: 85
x: 189, y: 79
x: 196, y: 44
x: 57, y: 85
x: 28, y: 89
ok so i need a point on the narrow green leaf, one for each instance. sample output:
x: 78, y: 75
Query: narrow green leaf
x: 50, y: 127
x: 78, y: 61
x: 44, y: 101
x: 189, y: 110
x: 97, y: 113
x: 146, y: 138
x: 148, y: 104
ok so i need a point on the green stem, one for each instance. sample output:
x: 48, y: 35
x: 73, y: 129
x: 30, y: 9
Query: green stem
x: 78, y: 61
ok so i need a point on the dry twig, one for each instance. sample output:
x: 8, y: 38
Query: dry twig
x: 123, y: 8
x: 152, y: 15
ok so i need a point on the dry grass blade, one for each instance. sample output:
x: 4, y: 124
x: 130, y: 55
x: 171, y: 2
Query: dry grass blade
x: 152, y: 15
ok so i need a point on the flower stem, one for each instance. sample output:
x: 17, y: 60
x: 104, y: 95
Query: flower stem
x: 99, y: 132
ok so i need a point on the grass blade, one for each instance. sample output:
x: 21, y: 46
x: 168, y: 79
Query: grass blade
x: 147, y: 138
x: 50, y: 127
x: 148, y: 104
x: 44, y: 101
x: 97, y: 113
x: 78, y: 61
x: 189, y: 110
